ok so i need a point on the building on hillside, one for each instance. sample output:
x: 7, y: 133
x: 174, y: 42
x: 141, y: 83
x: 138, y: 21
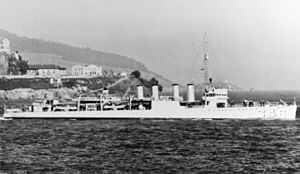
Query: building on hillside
x: 5, y: 55
x: 123, y: 74
x: 86, y: 70
x: 46, y: 70
x: 4, y: 45
x: 3, y: 63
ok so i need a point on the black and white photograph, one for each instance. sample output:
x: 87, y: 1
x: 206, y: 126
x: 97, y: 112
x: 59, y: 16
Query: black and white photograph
x: 149, y: 86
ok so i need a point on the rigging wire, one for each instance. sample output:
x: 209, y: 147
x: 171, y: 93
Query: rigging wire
x: 198, y: 50
x: 214, y: 59
x: 211, y: 59
x: 215, y: 70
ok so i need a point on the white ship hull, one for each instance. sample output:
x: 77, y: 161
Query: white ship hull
x: 174, y: 111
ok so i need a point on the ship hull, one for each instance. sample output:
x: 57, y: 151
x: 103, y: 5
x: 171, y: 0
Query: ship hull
x: 267, y: 113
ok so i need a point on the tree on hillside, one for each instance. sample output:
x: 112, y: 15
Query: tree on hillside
x: 12, y: 66
x: 16, y: 64
x: 147, y: 83
x: 136, y: 74
x: 153, y: 81
x: 23, y: 65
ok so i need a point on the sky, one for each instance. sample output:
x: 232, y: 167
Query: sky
x: 252, y: 43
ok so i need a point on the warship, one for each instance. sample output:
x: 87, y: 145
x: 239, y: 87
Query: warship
x: 212, y: 105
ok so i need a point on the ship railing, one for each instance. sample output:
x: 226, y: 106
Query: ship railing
x: 13, y: 110
x: 257, y: 104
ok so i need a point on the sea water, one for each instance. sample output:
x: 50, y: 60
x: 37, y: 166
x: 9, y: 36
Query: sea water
x: 149, y: 146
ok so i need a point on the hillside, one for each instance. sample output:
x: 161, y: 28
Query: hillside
x: 69, y: 53
x: 46, y: 52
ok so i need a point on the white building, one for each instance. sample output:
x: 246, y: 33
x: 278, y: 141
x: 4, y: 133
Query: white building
x: 123, y: 74
x: 4, y: 45
x: 47, y: 70
x: 86, y: 70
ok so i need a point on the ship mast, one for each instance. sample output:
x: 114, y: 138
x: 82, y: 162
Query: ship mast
x: 205, y: 61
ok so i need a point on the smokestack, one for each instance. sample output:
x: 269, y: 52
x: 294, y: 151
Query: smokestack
x: 191, y: 93
x: 140, y: 92
x: 176, y: 91
x: 155, y: 92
